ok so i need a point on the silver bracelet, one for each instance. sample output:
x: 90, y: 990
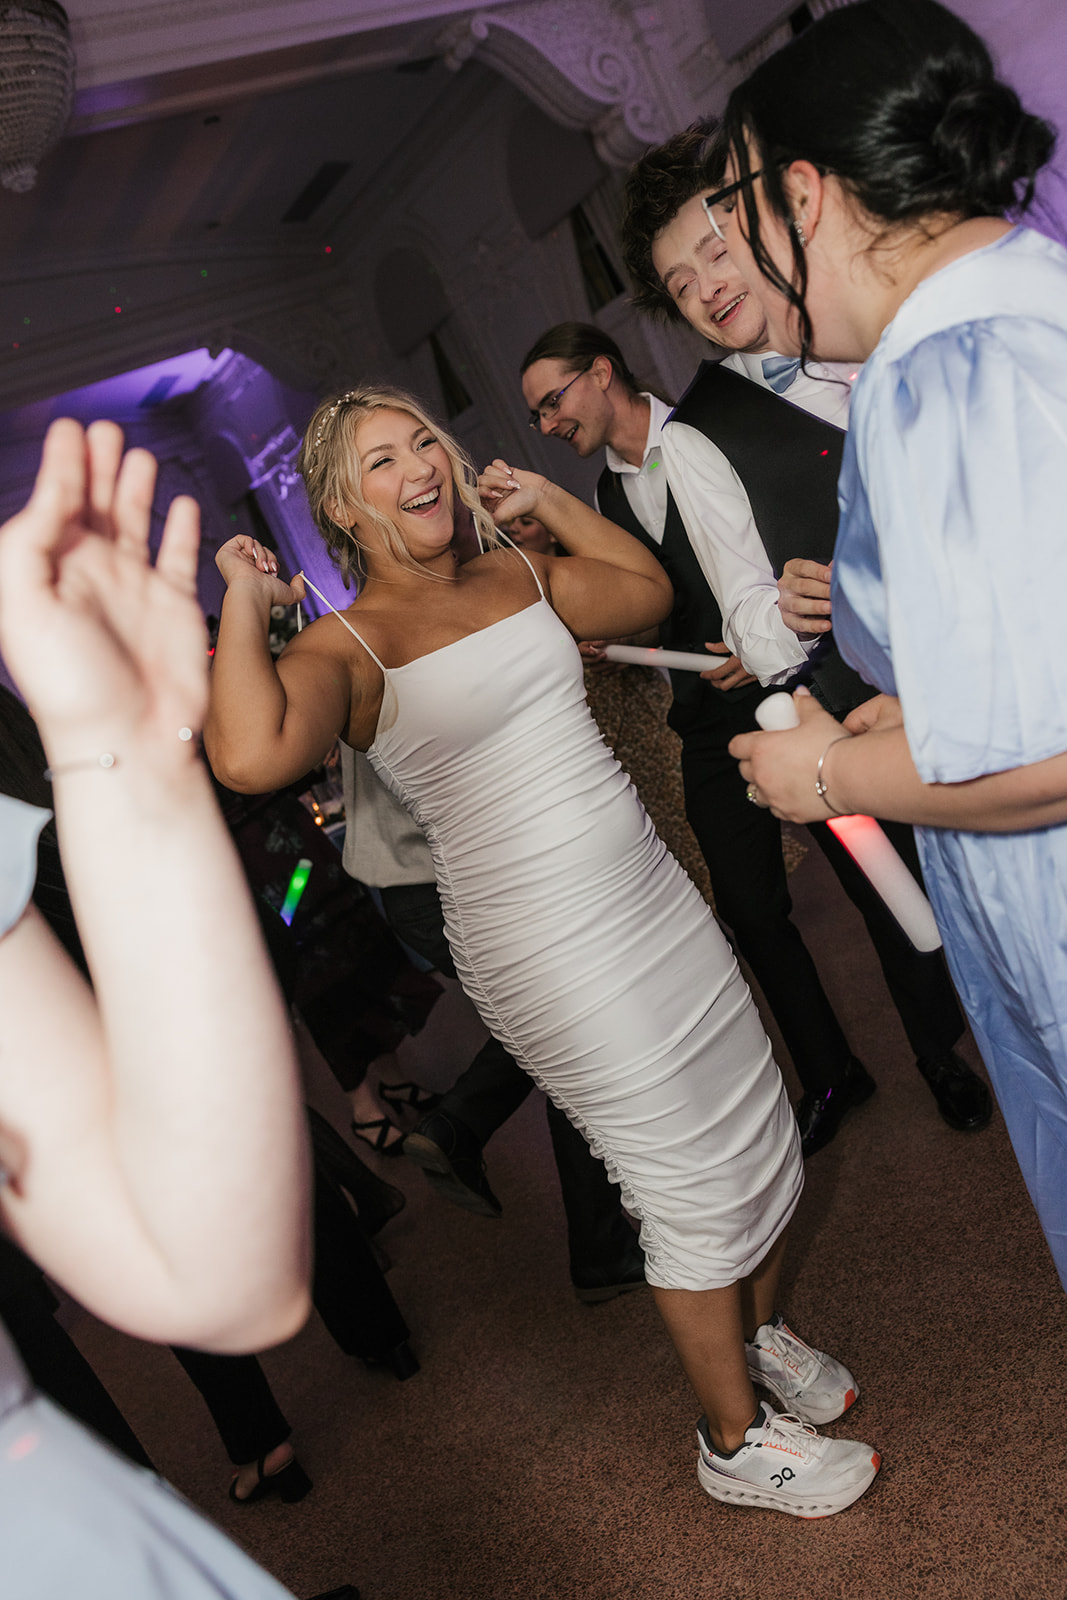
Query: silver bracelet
x: 820, y: 787
x: 106, y: 760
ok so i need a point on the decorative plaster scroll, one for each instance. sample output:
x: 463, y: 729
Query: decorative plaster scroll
x: 585, y: 65
x: 303, y: 344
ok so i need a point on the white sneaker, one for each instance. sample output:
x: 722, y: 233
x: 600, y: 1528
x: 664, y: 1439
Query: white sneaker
x: 784, y: 1465
x: 807, y: 1383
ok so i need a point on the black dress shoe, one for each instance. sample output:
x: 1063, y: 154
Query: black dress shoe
x: 962, y: 1098
x: 594, y: 1285
x: 451, y: 1157
x: 819, y: 1115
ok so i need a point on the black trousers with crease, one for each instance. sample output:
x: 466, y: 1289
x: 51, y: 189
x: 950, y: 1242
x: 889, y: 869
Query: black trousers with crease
x: 742, y: 845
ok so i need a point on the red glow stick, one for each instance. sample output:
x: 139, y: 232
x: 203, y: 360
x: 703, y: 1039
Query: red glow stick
x: 869, y: 848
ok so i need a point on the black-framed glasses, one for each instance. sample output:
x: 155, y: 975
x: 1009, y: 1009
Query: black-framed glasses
x: 550, y: 404
x: 716, y: 202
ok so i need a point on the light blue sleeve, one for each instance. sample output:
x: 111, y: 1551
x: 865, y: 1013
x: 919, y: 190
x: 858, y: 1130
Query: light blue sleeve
x: 964, y: 460
x: 20, y: 826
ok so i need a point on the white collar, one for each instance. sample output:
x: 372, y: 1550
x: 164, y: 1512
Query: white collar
x: 658, y: 414
x: 751, y: 364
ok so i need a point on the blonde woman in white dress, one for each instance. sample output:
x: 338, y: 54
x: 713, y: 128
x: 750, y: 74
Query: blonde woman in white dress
x: 586, y: 949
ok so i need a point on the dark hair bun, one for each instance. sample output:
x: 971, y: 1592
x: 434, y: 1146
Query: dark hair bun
x: 987, y: 147
x: 900, y: 99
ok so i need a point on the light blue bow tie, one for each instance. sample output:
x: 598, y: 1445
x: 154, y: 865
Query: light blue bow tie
x: 780, y: 371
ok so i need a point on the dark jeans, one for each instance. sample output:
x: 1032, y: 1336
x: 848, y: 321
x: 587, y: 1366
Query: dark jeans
x: 494, y: 1086
x: 742, y: 845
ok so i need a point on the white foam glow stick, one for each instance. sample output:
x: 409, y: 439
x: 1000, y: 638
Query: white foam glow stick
x: 680, y: 660
x: 868, y: 846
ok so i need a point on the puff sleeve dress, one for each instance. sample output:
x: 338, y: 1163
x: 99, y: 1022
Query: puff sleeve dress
x: 950, y: 587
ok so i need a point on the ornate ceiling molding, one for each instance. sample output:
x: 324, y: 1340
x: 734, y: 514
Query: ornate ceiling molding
x: 302, y: 343
x: 585, y: 66
x: 120, y: 39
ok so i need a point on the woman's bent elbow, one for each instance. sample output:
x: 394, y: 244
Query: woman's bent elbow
x: 281, y: 1320
x: 231, y: 771
x: 664, y: 603
x: 252, y: 1327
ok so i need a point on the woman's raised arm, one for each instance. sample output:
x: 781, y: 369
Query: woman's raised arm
x: 152, y: 1133
x: 268, y: 722
x: 608, y: 585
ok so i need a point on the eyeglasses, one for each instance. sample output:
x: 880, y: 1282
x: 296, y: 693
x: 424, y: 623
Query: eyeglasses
x: 550, y: 404
x: 716, y: 202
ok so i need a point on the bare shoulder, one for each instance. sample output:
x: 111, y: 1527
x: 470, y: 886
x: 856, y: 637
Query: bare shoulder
x: 502, y: 558
x: 509, y: 565
x: 325, y: 659
x: 326, y: 640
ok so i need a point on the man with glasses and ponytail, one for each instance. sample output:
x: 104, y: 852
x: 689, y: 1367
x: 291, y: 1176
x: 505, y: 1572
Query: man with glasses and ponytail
x: 751, y: 455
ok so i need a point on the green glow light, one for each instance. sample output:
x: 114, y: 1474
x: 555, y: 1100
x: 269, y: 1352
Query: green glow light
x: 297, y: 885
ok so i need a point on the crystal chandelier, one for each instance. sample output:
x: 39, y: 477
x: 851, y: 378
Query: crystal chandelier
x: 36, y: 86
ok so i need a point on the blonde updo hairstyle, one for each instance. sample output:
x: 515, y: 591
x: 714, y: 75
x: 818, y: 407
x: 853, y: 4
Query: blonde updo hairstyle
x: 333, y: 478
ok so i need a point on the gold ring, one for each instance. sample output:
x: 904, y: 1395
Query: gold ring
x: 750, y: 794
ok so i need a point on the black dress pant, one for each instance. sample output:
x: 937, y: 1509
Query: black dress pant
x: 243, y: 1408
x: 742, y: 845
x: 494, y: 1086
x: 918, y: 980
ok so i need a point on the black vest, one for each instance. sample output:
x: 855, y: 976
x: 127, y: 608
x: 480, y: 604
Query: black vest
x: 695, y: 619
x: 788, y: 462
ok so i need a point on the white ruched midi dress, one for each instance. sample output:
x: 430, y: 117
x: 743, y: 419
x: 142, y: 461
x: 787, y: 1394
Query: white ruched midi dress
x: 586, y: 948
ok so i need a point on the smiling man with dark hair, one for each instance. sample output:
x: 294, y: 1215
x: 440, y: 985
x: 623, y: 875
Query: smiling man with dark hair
x: 751, y: 455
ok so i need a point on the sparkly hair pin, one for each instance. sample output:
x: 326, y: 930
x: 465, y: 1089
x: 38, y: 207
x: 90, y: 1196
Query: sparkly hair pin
x: 349, y: 395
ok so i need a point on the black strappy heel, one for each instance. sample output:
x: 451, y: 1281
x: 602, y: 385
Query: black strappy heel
x: 290, y: 1484
x: 376, y: 1133
x: 408, y: 1097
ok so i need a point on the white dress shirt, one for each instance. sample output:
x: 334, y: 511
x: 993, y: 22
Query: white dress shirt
x: 645, y: 486
x: 715, y: 509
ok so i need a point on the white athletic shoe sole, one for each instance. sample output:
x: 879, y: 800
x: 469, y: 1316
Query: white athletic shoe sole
x: 846, y: 1471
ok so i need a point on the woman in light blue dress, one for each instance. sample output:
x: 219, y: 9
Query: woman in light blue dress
x: 872, y: 163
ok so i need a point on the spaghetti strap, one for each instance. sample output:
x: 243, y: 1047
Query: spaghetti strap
x: 519, y: 551
x: 345, y: 622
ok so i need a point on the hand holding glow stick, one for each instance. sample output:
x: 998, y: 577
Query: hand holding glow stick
x: 868, y: 846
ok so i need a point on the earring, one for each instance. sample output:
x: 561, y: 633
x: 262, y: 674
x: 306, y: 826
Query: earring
x: 801, y: 236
